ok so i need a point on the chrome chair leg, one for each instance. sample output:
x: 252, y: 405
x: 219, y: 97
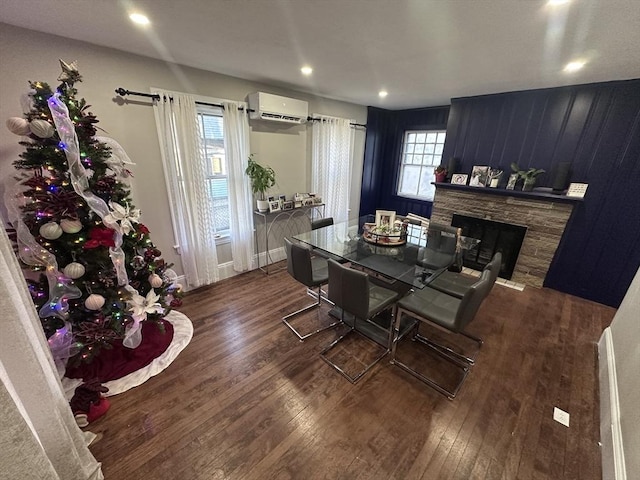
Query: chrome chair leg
x: 457, y: 359
x: 454, y: 356
x: 472, y: 337
x: 340, y: 370
x: 450, y: 394
x: 320, y: 299
x: 360, y: 374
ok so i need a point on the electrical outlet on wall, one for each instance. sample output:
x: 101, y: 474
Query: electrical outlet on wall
x: 561, y: 416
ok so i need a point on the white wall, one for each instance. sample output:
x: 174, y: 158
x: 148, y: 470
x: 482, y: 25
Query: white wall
x: 28, y: 55
x: 619, y: 352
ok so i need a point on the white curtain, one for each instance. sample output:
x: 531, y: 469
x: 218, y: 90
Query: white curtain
x: 39, y: 437
x: 236, y: 146
x: 185, y: 177
x: 331, y: 164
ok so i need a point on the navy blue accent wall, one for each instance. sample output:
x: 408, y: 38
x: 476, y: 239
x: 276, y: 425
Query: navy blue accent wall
x: 383, y: 145
x: 596, y: 128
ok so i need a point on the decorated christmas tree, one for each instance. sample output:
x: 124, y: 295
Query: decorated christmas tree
x: 98, y: 276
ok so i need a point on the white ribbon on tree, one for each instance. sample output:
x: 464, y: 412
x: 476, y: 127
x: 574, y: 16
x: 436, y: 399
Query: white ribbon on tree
x: 32, y: 253
x: 80, y: 183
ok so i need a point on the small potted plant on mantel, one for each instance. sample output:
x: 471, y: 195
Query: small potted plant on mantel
x: 441, y: 173
x: 529, y: 176
x: 262, y: 179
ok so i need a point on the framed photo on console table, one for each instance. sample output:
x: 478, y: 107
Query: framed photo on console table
x: 274, y: 206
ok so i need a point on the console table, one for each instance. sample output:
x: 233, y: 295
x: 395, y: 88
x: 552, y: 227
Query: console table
x: 273, y: 227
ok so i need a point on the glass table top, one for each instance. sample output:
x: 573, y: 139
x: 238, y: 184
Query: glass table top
x: 393, y: 260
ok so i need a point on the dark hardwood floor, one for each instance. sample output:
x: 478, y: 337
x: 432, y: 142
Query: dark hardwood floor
x: 247, y: 400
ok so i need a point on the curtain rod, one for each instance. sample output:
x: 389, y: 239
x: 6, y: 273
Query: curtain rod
x: 312, y: 119
x: 123, y: 93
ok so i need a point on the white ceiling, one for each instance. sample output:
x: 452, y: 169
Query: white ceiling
x: 423, y: 52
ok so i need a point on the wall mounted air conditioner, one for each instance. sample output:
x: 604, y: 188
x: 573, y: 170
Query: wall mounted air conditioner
x: 267, y: 106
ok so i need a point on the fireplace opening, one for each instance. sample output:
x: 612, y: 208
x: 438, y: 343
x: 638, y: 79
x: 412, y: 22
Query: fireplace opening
x: 494, y: 237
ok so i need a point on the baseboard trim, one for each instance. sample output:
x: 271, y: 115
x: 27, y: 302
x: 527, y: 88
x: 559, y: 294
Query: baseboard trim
x: 613, y: 462
x: 225, y: 270
x: 264, y: 260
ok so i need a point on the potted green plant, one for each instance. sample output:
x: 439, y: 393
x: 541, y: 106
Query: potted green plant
x: 441, y: 173
x: 529, y: 176
x: 262, y: 179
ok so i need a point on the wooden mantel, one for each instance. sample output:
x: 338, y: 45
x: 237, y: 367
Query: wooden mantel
x: 537, y: 194
x: 544, y: 214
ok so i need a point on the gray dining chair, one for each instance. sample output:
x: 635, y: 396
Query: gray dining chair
x: 457, y: 284
x: 442, y: 248
x: 311, y: 272
x: 356, y: 297
x: 415, y: 230
x: 321, y: 222
x: 446, y: 312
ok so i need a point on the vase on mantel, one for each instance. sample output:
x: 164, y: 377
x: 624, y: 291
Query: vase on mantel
x: 528, y: 185
x: 441, y: 177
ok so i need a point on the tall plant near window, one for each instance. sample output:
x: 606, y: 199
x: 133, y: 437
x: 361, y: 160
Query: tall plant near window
x: 186, y: 181
x: 332, y: 157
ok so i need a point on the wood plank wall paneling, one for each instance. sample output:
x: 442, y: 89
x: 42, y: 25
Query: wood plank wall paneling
x: 247, y: 400
x: 597, y: 129
x: 383, y: 146
x: 594, y: 127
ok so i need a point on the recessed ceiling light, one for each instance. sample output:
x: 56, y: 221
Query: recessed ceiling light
x: 555, y: 3
x: 306, y: 70
x: 382, y: 93
x: 574, y: 66
x: 139, y: 18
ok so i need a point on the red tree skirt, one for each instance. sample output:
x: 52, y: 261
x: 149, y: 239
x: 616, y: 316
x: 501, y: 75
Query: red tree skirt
x: 119, y: 361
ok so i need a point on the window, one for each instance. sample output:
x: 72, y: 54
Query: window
x: 212, y: 141
x: 421, y: 153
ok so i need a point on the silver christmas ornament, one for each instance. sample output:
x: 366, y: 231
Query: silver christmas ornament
x: 138, y: 262
x: 74, y: 270
x: 70, y: 226
x: 18, y: 126
x: 155, y: 280
x: 94, y: 302
x: 50, y: 231
x: 41, y: 128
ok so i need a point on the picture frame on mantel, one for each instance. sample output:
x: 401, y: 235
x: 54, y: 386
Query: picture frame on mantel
x: 459, y: 178
x: 479, y: 176
x: 511, y: 184
x: 577, y: 190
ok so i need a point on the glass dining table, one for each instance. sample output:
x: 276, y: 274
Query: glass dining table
x: 394, y: 261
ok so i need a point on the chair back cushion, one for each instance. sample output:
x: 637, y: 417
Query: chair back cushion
x: 472, y: 299
x: 441, y: 250
x: 287, y: 249
x: 494, y: 267
x: 442, y: 238
x: 349, y: 289
x: 299, y: 258
x: 321, y: 222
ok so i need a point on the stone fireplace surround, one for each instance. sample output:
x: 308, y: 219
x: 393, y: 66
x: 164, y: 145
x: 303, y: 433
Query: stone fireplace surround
x: 545, y: 216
